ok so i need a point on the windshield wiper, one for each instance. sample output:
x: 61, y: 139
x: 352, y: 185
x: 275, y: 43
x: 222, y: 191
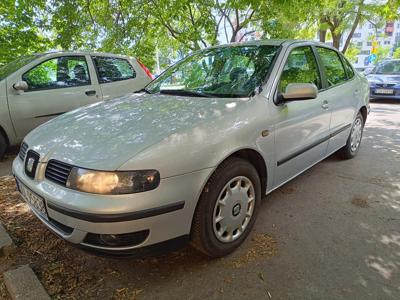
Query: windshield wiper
x: 143, y: 90
x: 180, y: 92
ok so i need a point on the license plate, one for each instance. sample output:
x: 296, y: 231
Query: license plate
x: 35, y: 202
x: 384, y: 91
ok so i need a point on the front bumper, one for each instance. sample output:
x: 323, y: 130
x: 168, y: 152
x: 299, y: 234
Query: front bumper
x: 147, y: 218
x: 395, y: 95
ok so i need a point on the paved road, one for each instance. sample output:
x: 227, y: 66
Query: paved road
x: 337, y: 229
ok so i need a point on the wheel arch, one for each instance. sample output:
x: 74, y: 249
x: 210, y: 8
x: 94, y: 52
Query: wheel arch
x: 364, y: 112
x: 258, y: 162
x: 4, y: 134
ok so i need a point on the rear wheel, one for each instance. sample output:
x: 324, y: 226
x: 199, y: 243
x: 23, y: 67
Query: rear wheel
x: 3, y: 145
x: 227, y: 208
x: 353, y: 143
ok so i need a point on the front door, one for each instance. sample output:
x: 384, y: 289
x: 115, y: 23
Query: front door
x: 302, y: 127
x: 56, y: 85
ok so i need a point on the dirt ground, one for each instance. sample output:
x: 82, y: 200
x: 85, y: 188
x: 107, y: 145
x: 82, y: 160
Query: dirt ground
x: 331, y: 233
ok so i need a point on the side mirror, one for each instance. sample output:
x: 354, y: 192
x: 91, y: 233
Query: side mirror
x: 300, y: 91
x: 21, y: 86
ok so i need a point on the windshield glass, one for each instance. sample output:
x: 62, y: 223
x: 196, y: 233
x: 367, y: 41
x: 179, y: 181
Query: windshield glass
x: 232, y: 71
x: 13, y: 66
x: 388, y: 67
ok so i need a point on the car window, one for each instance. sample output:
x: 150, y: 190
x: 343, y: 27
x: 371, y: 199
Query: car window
x: 59, y: 72
x: 335, y: 73
x: 388, y: 67
x: 110, y: 69
x: 228, y: 71
x: 349, y: 69
x: 300, y: 67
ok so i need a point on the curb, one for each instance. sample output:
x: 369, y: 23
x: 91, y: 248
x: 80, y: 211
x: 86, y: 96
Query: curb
x: 6, y: 243
x: 22, y: 284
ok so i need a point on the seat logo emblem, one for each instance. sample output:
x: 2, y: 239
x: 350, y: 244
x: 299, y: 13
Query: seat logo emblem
x: 29, y: 164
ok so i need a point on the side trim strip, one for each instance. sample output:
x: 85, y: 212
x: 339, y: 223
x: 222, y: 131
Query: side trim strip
x: 122, y: 217
x: 318, y: 142
x: 51, y: 115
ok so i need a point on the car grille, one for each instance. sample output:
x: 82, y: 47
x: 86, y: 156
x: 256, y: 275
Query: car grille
x: 385, y: 85
x: 58, y: 172
x: 22, y: 151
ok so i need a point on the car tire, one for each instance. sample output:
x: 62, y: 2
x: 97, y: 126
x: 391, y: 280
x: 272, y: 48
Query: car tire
x: 217, y: 229
x: 3, y: 145
x: 353, y: 143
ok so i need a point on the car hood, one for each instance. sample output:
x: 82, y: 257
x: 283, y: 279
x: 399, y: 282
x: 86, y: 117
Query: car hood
x: 384, y: 78
x: 107, y: 134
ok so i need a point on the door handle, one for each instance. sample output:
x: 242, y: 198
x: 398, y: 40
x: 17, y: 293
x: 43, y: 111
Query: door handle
x: 356, y: 92
x: 325, y: 104
x: 90, y: 93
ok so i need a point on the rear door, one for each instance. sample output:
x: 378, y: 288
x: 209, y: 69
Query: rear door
x: 119, y: 76
x: 341, y: 94
x: 302, y: 127
x: 56, y: 85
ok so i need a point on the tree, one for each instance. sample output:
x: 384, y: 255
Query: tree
x: 20, y: 28
x: 396, y: 53
x: 340, y: 16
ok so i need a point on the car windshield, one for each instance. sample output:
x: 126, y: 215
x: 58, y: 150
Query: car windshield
x: 13, y: 66
x: 388, y: 67
x: 232, y: 71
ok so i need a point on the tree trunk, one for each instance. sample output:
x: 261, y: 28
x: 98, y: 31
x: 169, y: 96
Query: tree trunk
x: 353, y: 28
x: 336, y: 40
x: 322, y: 35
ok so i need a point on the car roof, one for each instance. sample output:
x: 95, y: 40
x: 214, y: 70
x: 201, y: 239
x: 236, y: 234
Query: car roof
x: 275, y: 42
x: 52, y: 52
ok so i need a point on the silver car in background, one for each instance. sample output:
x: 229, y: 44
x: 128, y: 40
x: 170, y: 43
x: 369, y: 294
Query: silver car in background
x: 38, y: 87
x: 190, y: 157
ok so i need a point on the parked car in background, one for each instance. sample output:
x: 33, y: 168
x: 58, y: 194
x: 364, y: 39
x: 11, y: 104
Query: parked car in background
x: 384, y: 80
x: 193, y: 154
x: 38, y: 87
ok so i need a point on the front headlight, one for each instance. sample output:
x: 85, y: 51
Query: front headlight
x: 113, y: 183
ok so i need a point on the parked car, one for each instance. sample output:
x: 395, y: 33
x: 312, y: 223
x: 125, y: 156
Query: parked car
x: 191, y: 157
x: 36, y: 88
x: 384, y: 80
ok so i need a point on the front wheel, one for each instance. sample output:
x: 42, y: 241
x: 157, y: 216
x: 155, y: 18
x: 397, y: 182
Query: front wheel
x: 353, y: 143
x: 227, y: 208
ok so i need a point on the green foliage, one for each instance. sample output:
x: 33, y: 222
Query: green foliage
x: 21, y: 28
x: 396, y: 53
x: 352, y: 52
x: 382, y: 53
x: 172, y: 28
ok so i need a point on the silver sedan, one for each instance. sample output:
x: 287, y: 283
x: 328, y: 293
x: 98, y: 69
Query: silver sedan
x: 190, y: 157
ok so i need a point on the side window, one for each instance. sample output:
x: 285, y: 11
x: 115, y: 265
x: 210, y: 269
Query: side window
x: 335, y: 73
x: 59, y: 72
x: 301, y: 67
x: 110, y: 69
x: 349, y: 69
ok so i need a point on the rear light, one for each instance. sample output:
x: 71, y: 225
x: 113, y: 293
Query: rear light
x: 147, y: 71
